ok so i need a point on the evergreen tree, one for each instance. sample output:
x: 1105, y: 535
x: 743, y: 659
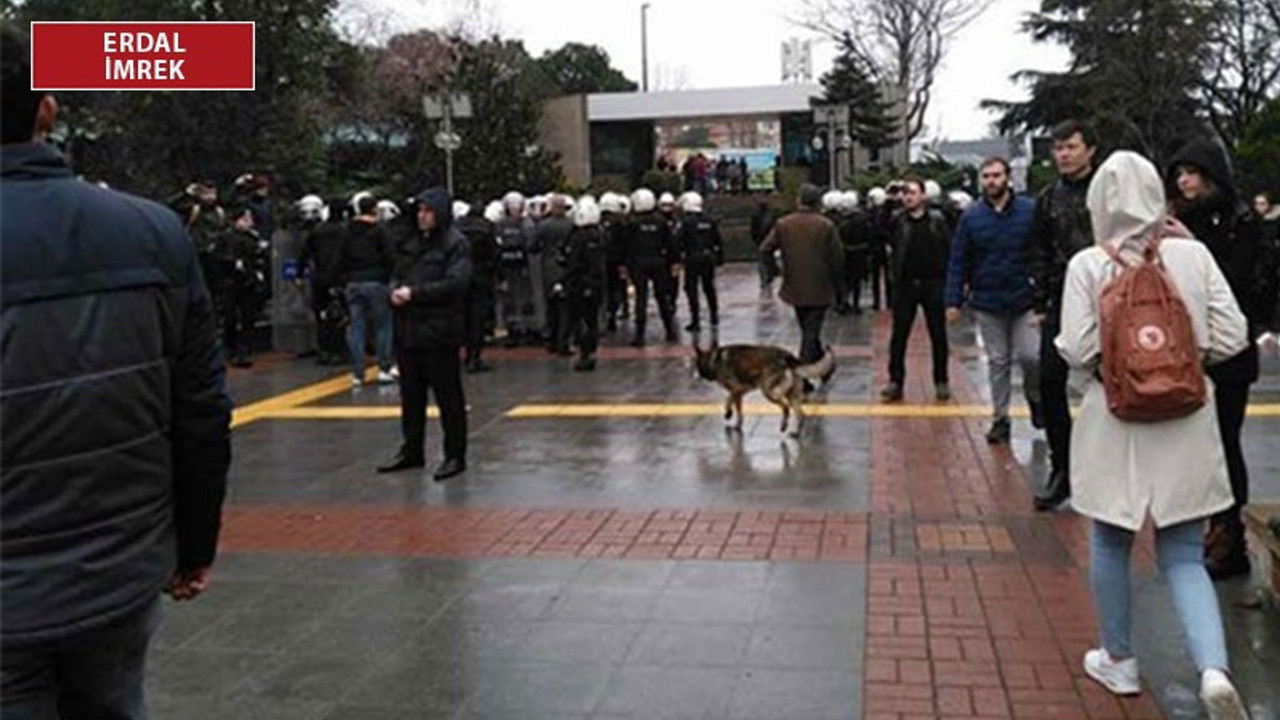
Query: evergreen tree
x: 849, y: 82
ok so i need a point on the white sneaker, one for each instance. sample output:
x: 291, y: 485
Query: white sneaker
x: 386, y: 378
x: 357, y: 382
x: 1118, y: 676
x: 1220, y: 697
x: 395, y: 371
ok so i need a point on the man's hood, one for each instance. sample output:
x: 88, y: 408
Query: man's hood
x: 1126, y: 201
x: 1211, y: 159
x: 437, y: 198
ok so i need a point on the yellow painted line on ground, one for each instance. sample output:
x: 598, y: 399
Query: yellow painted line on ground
x: 295, y: 398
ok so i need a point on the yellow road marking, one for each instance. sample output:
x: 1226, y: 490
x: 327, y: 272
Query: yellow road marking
x: 295, y: 398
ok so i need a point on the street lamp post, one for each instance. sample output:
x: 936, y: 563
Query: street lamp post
x: 644, y: 47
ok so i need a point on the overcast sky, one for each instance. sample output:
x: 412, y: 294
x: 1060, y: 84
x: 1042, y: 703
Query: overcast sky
x: 692, y: 46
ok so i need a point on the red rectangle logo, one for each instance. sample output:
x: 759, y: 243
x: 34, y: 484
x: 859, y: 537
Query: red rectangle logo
x: 142, y: 56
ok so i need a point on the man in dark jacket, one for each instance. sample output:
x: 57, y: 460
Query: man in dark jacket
x: 812, y: 261
x: 242, y: 272
x: 482, y: 249
x: 988, y: 272
x: 552, y: 234
x: 116, y: 423
x: 918, y: 267
x: 584, y: 279
x: 368, y: 256
x: 321, y: 259
x: 651, y: 251
x: 761, y: 223
x: 701, y: 252
x: 855, y: 237
x: 431, y: 276
x: 1206, y: 202
x: 1060, y: 229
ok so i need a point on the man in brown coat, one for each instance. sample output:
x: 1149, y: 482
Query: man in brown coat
x: 811, y: 263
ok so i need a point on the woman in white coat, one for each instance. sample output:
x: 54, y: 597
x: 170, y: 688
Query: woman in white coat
x: 1173, y: 471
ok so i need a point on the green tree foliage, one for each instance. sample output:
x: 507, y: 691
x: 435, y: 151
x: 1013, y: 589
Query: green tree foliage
x: 1134, y: 69
x: 577, y: 69
x: 1258, y: 155
x: 155, y: 142
x: 851, y: 83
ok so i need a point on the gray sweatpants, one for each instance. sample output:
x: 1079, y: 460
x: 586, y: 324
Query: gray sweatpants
x: 1009, y: 338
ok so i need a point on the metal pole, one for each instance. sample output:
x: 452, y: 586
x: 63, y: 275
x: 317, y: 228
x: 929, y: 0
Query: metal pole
x: 448, y: 152
x: 644, y: 47
x: 832, y: 150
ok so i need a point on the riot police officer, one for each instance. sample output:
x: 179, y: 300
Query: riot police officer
x: 584, y: 279
x: 651, y: 257
x: 701, y: 252
x: 482, y: 248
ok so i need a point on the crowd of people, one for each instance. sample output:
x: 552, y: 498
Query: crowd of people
x: 726, y: 175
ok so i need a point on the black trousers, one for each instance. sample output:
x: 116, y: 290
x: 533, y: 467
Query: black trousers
x: 1054, y: 404
x: 657, y: 275
x: 704, y: 274
x: 810, y: 319
x: 93, y: 675
x: 479, y: 318
x: 237, y: 310
x: 881, y: 273
x: 436, y: 370
x: 1231, y: 399
x: 926, y: 295
x: 585, y: 321
x: 331, y: 339
x: 855, y: 273
x: 559, y: 321
x: 616, y: 293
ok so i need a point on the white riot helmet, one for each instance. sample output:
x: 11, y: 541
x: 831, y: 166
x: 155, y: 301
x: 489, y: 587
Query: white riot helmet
x: 849, y: 200
x: 569, y: 204
x: 355, y: 201
x: 667, y: 200
x: 311, y: 207
x: 877, y: 196
x: 691, y: 202
x: 643, y: 201
x: 587, y: 213
x: 624, y: 202
x: 460, y: 209
x: 611, y: 203
x: 590, y: 197
x: 493, y: 211
x: 513, y: 203
x: 831, y: 200
x: 387, y: 210
x: 932, y: 190
x: 961, y: 199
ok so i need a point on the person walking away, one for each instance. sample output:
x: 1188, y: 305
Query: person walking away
x: 1204, y: 199
x: 811, y: 265
x: 117, y: 424
x: 584, y: 259
x: 882, y: 212
x: 766, y: 265
x: 1171, y: 470
x: 553, y: 233
x: 482, y: 250
x: 855, y: 238
x: 651, y: 251
x: 368, y: 255
x: 988, y: 272
x: 1060, y: 229
x: 921, y: 249
x: 432, y: 273
x: 701, y: 252
x: 516, y: 309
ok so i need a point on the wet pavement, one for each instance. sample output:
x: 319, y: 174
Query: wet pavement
x: 614, y: 552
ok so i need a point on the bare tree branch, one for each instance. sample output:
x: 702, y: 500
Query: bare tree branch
x: 903, y: 42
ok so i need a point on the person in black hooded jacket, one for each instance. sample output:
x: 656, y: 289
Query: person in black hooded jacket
x: 1203, y: 197
x: 430, y: 281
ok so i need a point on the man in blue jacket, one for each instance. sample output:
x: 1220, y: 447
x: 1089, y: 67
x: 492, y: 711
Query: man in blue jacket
x: 988, y: 271
x: 116, y: 423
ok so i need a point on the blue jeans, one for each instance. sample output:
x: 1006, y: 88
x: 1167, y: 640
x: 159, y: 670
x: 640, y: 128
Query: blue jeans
x: 369, y: 301
x: 96, y: 675
x: 1180, y: 554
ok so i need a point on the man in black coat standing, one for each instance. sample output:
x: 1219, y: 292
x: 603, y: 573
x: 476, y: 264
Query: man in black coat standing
x: 116, y: 443
x: 432, y: 274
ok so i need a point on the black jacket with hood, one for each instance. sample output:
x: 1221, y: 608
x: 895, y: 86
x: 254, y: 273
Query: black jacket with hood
x: 1060, y: 228
x: 435, y: 266
x: 116, y: 419
x: 1222, y: 223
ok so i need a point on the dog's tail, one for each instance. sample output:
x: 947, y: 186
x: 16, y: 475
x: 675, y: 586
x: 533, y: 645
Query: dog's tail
x: 822, y: 369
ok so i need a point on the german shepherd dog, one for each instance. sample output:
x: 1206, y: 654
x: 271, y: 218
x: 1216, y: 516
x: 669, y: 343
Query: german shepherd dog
x: 773, y: 371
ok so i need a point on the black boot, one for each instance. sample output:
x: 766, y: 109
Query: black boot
x: 451, y: 467
x: 404, y: 460
x: 586, y: 364
x: 1056, y: 492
